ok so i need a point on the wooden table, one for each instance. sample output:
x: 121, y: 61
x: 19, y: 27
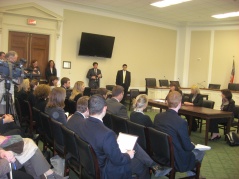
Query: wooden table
x: 199, y: 112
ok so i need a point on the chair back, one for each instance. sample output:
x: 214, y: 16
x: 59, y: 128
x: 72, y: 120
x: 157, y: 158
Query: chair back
x: 150, y: 82
x: 138, y: 130
x: 45, y: 120
x: 30, y: 116
x: 214, y: 86
x: 109, y: 87
x: 134, y: 93
x: 233, y: 86
x: 36, y: 117
x: 70, y: 142
x: 88, y: 160
x: 87, y: 91
x: 236, y: 111
x: 161, y: 147
x: 163, y: 83
x: 175, y: 82
x: 18, y: 109
x: 71, y: 106
x: 208, y: 104
x: 107, y: 120
x: 119, y: 124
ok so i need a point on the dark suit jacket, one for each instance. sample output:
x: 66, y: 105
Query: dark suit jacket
x: 113, y: 164
x: 172, y: 124
x: 56, y: 113
x: 68, y: 92
x: 142, y: 119
x: 48, y: 73
x: 116, y: 108
x: 119, y: 78
x: 197, y: 101
x: 75, y: 121
x: 91, y: 73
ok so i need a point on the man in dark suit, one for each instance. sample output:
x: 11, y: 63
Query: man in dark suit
x: 113, y: 104
x: 123, y: 78
x: 66, y: 84
x: 113, y: 163
x: 80, y: 115
x: 94, y: 75
x: 171, y: 123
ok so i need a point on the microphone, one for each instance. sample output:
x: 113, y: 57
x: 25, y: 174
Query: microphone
x: 164, y: 77
x: 201, y: 84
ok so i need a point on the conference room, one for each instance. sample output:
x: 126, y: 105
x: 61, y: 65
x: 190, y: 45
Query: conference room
x: 182, y: 42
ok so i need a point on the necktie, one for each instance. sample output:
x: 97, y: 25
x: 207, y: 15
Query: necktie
x: 96, y: 71
x: 124, y: 73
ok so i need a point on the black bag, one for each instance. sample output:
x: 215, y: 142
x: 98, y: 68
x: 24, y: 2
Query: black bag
x: 232, y: 138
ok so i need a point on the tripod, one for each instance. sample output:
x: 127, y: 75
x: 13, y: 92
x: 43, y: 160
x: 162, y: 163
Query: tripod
x: 7, y: 96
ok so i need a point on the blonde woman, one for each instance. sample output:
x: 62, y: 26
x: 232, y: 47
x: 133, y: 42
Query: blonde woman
x: 22, y: 94
x: 77, y: 90
x: 195, y: 99
x: 138, y: 116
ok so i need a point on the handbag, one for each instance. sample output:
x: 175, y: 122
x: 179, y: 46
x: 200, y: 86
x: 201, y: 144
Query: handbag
x: 232, y: 138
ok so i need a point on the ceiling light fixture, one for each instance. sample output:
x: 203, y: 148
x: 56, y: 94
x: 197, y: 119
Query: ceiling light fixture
x: 226, y: 15
x: 166, y: 3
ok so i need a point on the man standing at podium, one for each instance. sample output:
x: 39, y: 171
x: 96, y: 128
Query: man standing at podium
x: 94, y: 75
x: 123, y: 79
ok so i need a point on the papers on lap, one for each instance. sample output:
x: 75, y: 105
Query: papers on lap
x: 202, y: 147
x: 126, y: 142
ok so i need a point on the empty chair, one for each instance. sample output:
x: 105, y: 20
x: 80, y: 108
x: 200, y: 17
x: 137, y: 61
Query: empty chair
x: 150, y: 82
x: 163, y: 83
x: 133, y: 94
x: 45, y: 120
x: 233, y: 86
x: 214, y: 86
x: 119, y: 124
x: 107, y: 120
x: 88, y: 160
x: 176, y: 82
x: 109, y: 87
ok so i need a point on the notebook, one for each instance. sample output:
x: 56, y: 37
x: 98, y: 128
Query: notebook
x: 126, y: 142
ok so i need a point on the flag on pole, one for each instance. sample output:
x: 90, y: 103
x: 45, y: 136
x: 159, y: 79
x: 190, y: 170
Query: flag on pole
x: 233, y: 72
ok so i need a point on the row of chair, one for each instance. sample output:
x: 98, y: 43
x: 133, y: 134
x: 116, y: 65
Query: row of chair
x: 157, y: 144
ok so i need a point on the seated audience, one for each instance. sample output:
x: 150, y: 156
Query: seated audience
x: 35, y: 70
x: 31, y: 96
x: 113, y: 104
x: 77, y: 90
x: 170, y: 122
x: 53, y: 81
x: 138, y: 116
x: 8, y: 126
x: 195, y: 99
x: 55, y: 105
x: 80, y: 115
x: 2, y: 56
x: 24, y: 152
x: 66, y: 84
x: 50, y: 70
x: 41, y: 93
x: 114, y: 164
x: 102, y: 91
x: 174, y: 87
x: 228, y: 104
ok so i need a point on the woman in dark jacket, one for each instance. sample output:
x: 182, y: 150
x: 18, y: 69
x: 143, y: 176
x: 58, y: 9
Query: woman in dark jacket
x: 174, y: 87
x: 228, y: 104
x: 50, y: 70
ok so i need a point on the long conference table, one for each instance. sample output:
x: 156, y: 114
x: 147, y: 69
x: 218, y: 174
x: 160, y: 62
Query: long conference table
x: 198, y: 112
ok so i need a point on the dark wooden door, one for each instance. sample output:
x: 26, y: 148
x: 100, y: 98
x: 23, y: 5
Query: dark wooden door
x: 31, y: 47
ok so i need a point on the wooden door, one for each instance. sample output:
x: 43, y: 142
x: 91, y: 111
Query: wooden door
x: 31, y: 47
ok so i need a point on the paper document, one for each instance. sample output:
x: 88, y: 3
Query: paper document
x: 126, y: 142
x: 202, y: 147
x: 160, y: 100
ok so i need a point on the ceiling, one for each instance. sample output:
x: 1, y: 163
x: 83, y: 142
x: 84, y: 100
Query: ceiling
x: 192, y: 13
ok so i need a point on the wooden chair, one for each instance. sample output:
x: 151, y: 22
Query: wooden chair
x: 88, y: 160
x: 133, y: 94
x: 162, y: 151
x: 119, y: 124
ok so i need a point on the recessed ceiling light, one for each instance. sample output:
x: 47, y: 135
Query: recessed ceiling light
x: 226, y: 15
x: 166, y: 3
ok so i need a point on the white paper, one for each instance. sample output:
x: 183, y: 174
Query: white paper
x: 160, y: 100
x: 202, y: 147
x: 126, y: 142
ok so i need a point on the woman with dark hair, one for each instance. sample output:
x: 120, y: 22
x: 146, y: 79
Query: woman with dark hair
x: 50, y: 70
x: 55, y: 105
x: 41, y: 93
x: 228, y: 104
x: 173, y: 87
x: 53, y: 82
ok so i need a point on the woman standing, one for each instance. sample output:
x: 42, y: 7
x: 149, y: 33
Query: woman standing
x: 50, y: 70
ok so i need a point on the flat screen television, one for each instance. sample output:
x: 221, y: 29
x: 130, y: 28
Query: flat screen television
x: 96, y: 45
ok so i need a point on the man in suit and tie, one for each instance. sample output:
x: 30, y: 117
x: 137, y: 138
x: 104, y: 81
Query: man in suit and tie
x: 80, y: 115
x: 94, y: 75
x: 66, y: 84
x: 112, y: 163
x: 123, y: 78
x: 171, y: 123
x: 113, y: 104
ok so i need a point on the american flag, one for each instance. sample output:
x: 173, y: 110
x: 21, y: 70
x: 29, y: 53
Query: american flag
x: 233, y: 72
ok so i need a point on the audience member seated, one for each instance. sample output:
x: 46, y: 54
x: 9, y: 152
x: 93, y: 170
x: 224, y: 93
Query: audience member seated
x: 195, y: 99
x: 228, y: 104
x: 66, y: 84
x: 35, y: 70
x: 104, y: 92
x: 113, y: 104
x: 50, y: 70
x: 31, y: 96
x: 41, y: 93
x: 55, y: 105
x: 114, y: 164
x: 171, y: 123
x: 77, y: 91
x: 24, y: 152
x: 174, y: 87
x: 53, y: 81
x: 8, y: 126
x: 80, y: 115
x: 138, y: 116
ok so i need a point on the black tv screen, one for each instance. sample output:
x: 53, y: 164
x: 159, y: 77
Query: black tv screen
x: 96, y: 45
